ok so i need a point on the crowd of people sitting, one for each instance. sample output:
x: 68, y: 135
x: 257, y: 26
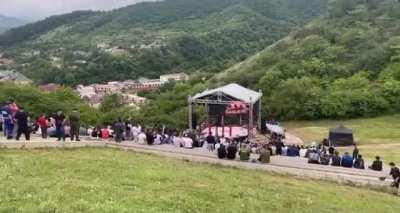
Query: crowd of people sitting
x: 16, y: 121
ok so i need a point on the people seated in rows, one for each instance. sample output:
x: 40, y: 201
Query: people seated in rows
x: 377, y: 164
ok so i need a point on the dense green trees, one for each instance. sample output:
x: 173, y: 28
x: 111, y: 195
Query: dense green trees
x: 344, y: 65
x: 36, y: 102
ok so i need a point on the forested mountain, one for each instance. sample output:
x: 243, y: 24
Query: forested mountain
x: 151, y: 38
x: 344, y: 65
x: 9, y: 22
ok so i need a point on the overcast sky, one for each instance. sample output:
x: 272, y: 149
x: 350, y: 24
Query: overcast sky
x: 38, y: 9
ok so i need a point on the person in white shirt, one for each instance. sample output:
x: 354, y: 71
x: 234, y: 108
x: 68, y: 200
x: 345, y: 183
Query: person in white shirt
x: 142, y: 138
x: 157, y: 140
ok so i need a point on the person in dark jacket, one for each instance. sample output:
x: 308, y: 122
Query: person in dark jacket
x: 336, y: 159
x: 232, y: 150
x: 395, y: 173
x: 279, y: 145
x: 355, y: 152
x: 347, y: 160
x: 359, y: 162
x: 221, y: 151
x: 74, y: 121
x: 210, y: 142
x: 150, y: 137
x: 60, y: 122
x: 377, y: 164
x: 22, y: 121
x: 119, y: 130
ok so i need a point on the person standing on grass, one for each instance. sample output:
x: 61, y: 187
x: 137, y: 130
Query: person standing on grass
x: 74, y: 121
x: 43, y: 124
x: 355, y: 152
x: 8, y: 121
x: 22, y: 121
x: 210, y: 142
x: 150, y: 137
x: 395, y: 173
x: 336, y: 159
x: 119, y: 127
x: 60, y: 122
x: 14, y: 109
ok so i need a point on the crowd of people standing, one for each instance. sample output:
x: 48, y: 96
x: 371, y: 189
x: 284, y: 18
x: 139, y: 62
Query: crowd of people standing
x: 16, y: 121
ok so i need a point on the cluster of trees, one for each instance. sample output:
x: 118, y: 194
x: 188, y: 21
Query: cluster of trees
x: 37, y: 102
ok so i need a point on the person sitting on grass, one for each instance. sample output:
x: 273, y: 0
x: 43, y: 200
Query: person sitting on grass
x: 324, y: 158
x: 377, y: 164
x: 221, y: 151
x: 347, y: 160
x: 265, y: 155
x: 232, y: 150
x: 313, y: 157
x: 359, y: 162
x: 336, y: 159
x: 244, y: 153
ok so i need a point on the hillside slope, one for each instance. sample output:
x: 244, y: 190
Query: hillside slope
x: 344, y: 65
x: 151, y: 38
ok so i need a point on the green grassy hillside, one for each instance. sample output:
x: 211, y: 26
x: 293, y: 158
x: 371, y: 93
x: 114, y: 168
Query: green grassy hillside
x: 106, y: 180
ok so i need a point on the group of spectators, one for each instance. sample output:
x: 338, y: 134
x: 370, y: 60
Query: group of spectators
x: 320, y: 154
x: 16, y: 121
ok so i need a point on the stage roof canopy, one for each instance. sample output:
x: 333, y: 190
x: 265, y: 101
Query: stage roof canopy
x: 232, y: 91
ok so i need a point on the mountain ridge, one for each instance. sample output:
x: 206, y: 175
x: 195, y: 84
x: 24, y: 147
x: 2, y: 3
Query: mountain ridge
x: 154, y: 38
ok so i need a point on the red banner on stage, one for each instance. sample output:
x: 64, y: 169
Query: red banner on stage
x: 237, y: 107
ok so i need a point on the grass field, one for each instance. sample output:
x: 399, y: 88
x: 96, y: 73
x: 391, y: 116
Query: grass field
x: 375, y: 136
x: 108, y: 180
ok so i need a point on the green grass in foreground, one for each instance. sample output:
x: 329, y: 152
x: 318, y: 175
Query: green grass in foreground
x: 107, y: 180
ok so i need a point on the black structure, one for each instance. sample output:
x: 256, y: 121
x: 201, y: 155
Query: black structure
x: 341, y: 136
